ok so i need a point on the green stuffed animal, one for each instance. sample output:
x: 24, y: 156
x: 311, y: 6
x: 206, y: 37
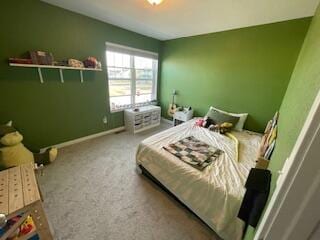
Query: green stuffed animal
x: 14, y: 153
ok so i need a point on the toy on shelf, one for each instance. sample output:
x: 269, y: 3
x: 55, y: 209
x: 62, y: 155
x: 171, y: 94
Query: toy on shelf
x: 92, y: 62
x: 75, y: 63
x: 14, y: 153
x: 41, y: 57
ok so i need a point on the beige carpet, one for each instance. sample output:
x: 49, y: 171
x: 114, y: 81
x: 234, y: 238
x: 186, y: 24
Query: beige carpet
x: 93, y: 192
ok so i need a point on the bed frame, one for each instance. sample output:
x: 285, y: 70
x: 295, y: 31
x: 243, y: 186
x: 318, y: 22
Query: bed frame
x: 141, y: 170
x: 146, y: 173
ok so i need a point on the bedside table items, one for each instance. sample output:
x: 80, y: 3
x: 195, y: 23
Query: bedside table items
x: 144, y: 118
x: 182, y: 116
x: 172, y: 106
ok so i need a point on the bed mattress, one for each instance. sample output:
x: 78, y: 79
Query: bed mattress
x: 215, y: 193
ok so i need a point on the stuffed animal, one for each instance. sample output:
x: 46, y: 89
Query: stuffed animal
x: 221, y: 128
x: 14, y: 153
x: 199, y: 122
x: 207, y: 122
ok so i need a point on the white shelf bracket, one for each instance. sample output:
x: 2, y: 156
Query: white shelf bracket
x: 61, y: 76
x: 40, y: 75
x: 81, y: 76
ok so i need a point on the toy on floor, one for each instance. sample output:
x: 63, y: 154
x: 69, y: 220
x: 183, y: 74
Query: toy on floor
x: 14, y: 153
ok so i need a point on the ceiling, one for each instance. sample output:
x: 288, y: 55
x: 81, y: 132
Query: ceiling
x: 181, y: 18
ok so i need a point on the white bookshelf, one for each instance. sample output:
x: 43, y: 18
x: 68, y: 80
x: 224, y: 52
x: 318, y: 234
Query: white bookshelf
x: 60, y: 68
x: 147, y: 117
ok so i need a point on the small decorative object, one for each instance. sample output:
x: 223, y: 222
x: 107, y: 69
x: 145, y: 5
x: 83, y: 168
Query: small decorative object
x: 20, y: 60
x: 98, y: 65
x: 207, y: 122
x: 75, y: 63
x: 221, y: 128
x: 269, y: 138
x: 27, y: 226
x: 199, y: 122
x: 14, y: 153
x: 91, y: 62
x: 41, y: 57
x: 172, y: 107
x: 63, y: 63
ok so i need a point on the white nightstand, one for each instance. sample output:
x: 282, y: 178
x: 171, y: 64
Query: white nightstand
x: 182, y: 116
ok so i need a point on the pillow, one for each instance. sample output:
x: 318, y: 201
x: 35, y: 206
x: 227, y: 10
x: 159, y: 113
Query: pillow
x: 242, y: 118
x: 220, y: 117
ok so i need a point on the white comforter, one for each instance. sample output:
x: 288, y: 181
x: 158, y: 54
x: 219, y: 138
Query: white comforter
x: 214, y: 194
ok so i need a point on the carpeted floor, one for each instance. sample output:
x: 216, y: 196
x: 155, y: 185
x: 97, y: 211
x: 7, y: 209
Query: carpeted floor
x: 93, y: 192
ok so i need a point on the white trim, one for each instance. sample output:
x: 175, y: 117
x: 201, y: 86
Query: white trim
x: 166, y: 120
x: 82, y: 139
x: 289, y: 174
x: 60, y: 68
x: 54, y: 67
x: 131, y: 50
x: 133, y: 80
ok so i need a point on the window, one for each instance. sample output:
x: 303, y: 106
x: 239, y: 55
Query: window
x: 132, y: 76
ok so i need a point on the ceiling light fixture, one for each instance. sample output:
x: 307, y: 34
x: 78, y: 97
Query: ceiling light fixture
x: 155, y: 2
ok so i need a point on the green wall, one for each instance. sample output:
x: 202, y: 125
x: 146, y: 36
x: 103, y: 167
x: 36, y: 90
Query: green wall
x: 243, y: 70
x: 302, y: 90
x: 53, y: 112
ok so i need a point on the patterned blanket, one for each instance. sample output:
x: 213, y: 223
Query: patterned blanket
x: 194, y: 152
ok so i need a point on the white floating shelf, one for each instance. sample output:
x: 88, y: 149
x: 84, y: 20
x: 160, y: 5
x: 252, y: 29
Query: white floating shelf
x: 54, y: 67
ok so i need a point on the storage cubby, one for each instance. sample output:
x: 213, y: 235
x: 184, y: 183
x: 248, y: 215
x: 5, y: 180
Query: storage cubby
x: 147, y: 117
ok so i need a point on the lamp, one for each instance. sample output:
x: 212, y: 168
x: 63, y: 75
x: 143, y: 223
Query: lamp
x: 155, y: 2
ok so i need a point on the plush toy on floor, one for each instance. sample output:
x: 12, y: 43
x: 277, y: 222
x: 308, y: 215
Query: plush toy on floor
x: 14, y: 153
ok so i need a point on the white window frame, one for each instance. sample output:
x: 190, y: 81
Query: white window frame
x: 134, y: 52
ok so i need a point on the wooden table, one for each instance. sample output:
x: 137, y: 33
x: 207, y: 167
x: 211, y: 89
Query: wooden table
x: 19, y: 195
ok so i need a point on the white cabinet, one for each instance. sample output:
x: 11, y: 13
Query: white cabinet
x: 147, y: 117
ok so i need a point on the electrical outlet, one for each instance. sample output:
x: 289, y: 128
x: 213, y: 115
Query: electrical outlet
x: 105, y: 120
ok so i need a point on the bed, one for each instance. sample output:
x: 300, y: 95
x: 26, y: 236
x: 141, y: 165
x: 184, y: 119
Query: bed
x: 215, y: 193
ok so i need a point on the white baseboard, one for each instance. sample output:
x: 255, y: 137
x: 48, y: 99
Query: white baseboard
x: 82, y: 139
x: 167, y: 120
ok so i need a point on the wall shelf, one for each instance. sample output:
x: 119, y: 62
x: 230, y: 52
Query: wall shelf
x: 61, y: 68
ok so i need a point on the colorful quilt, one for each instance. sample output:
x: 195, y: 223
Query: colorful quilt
x: 194, y: 152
